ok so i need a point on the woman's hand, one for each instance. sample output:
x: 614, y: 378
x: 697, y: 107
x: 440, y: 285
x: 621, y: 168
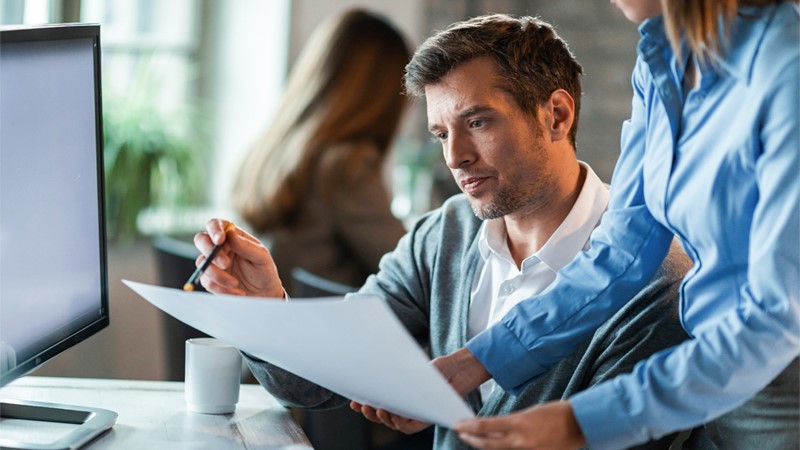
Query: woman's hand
x: 549, y: 426
x: 462, y: 370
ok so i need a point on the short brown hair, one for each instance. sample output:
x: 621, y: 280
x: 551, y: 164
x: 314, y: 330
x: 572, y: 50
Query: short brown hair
x: 532, y: 59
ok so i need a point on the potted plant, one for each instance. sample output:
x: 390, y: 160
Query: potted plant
x: 153, y: 156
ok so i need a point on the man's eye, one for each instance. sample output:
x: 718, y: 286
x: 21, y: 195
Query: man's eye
x: 476, y: 123
x: 440, y: 136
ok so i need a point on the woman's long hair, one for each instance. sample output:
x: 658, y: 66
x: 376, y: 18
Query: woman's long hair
x: 346, y: 87
x: 704, y: 23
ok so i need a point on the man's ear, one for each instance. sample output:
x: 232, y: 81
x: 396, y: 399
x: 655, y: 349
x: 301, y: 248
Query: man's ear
x: 559, y: 114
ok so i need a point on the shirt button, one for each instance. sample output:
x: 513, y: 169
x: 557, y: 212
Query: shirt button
x: 507, y: 288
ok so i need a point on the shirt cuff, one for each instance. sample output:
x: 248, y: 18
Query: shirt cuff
x: 505, y: 358
x: 602, y: 417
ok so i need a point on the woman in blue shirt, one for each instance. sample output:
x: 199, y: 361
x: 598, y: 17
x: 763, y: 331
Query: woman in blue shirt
x: 711, y: 154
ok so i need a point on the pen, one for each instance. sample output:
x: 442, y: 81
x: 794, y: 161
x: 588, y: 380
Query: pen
x: 195, y: 277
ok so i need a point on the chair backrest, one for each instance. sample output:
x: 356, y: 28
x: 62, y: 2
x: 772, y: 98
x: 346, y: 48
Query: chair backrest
x: 339, y: 428
x: 175, y: 263
x: 174, y: 260
x: 307, y: 284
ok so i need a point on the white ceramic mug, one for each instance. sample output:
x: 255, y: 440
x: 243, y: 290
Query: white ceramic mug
x: 213, y: 372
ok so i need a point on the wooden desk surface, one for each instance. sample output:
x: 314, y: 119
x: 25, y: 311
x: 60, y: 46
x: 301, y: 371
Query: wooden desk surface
x: 153, y: 415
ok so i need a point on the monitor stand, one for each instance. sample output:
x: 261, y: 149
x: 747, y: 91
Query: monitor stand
x: 91, y: 422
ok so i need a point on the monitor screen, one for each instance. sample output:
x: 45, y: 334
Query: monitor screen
x: 53, y: 282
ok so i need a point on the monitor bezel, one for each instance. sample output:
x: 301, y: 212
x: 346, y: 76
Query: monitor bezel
x: 64, y: 31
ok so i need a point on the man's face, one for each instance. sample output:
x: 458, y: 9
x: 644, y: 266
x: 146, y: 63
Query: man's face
x: 496, y: 152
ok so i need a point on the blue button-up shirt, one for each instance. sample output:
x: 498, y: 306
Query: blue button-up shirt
x: 719, y: 168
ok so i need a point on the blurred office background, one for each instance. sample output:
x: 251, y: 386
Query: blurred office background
x: 189, y: 84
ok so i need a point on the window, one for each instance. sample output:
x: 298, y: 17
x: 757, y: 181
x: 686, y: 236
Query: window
x: 27, y: 11
x: 149, y: 44
x: 209, y: 71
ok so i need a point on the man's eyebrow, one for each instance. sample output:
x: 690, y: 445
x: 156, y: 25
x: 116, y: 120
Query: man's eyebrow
x: 471, y: 111
x: 477, y: 109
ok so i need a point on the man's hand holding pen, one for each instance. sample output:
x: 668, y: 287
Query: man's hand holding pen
x: 241, y: 266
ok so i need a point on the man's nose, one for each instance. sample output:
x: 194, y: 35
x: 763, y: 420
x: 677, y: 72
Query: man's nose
x: 458, y: 152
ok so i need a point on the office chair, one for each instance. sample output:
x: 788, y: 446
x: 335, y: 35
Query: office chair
x: 308, y: 285
x: 342, y: 428
x: 333, y: 429
x: 175, y: 262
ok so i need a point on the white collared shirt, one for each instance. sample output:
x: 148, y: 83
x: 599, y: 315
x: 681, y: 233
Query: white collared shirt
x: 499, y: 285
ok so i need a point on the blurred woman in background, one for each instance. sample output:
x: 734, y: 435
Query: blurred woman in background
x: 312, y: 185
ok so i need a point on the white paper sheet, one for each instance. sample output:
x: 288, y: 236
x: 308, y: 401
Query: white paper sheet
x: 356, y: 348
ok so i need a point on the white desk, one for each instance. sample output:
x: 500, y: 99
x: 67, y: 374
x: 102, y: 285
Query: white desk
x: 153, y: 415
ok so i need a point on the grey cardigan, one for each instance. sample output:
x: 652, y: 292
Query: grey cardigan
x: 427, y: 281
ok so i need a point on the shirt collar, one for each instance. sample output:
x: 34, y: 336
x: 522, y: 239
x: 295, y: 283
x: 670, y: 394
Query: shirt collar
x: 568, y: 239
x: 572, y: 235
x: 653, y: 34
x: 492, y: 238
x: 747, y: 32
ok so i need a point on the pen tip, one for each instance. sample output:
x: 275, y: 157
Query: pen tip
x: 188, y: 287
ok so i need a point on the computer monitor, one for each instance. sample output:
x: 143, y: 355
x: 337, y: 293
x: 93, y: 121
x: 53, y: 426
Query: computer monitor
x: 53, y: 268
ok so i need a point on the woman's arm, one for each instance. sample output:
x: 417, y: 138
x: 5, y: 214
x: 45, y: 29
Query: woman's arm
x: 626, y: 249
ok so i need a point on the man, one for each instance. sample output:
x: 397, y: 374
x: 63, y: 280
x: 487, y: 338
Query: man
x: 503, y: 96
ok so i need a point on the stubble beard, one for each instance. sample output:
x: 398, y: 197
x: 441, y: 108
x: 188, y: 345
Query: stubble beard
x: 523, y: 192
x: 497, y: 207
x: 506, y: 201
